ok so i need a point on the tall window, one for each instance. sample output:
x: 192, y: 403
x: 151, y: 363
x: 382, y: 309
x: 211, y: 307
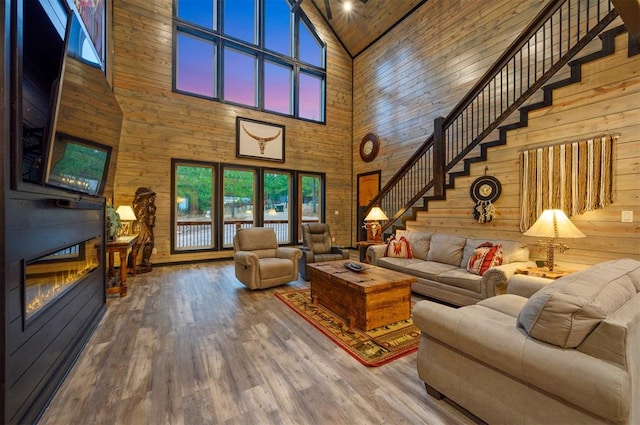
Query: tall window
x: 193, y: 206
x: 207, y: 214
x: 310, y: 192
x: 239, y: 202
x: 254, y: 53
x: 277, y: 196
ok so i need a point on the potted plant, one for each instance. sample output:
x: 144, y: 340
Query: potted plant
x: 112, y: 223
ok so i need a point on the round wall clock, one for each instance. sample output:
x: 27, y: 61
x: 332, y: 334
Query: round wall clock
x: 369, y: 147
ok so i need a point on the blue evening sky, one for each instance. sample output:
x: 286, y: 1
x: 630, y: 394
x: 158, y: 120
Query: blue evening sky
x: 197, y: 57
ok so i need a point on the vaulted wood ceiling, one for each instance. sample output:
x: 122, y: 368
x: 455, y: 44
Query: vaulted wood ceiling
x: 367, y: 20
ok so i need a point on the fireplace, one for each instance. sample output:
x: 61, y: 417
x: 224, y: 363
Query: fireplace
x: 49, y: 277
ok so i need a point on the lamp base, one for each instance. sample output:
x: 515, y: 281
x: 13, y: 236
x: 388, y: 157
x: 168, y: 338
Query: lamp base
x: 125, y: 228
x: 374, y: 233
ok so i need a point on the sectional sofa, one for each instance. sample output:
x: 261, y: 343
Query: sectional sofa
x: 569, y: 354
x: 440, y: 263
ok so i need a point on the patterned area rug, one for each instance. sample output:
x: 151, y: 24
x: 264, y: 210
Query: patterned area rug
x: 371, y: 348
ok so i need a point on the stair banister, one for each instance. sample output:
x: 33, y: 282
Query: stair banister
x: 394, y: 194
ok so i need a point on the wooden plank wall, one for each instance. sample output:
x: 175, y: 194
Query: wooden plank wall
x: 425, y: 66
x: 605, y: 102
x: 160, y: 125
x: 89, y: 110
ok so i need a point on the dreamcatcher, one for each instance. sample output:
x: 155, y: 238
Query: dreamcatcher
x: 485, y: 191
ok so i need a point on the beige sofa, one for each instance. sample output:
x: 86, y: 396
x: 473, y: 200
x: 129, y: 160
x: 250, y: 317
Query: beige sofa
x: 440, y: 264
x: 570, y: 354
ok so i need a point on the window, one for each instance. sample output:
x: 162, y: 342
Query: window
x: 240, y: 19
x: 196, y: 64
x: 244, y: 52
x: 240, y: 77
x: 277, y: 194
x: 311, y: 97
x: 239, y: 201
x: 202, y: 13
x: 206, y: 218
x: 193, y: 196
x: 310, y: 192
x: 278, y: 88
x: 278, y: 21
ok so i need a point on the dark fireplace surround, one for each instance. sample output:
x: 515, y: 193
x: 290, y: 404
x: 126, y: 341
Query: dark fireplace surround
x: 52, y: 252
x: 42, y: 344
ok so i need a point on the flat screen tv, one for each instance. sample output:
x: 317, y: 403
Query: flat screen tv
x: 78, y: 165
x: 45, y: 32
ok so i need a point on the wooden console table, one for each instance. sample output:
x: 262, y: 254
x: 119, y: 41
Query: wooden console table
x: 120, y: 246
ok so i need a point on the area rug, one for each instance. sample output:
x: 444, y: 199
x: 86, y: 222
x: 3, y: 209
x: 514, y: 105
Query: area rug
x: 371, y: 348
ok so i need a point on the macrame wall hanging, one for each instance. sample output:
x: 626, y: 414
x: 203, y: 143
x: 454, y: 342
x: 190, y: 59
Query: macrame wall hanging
x: 575, y: 177
x: 485, y: 191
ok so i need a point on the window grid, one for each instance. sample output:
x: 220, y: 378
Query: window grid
x: 223, y: 42
x: 212, y: 200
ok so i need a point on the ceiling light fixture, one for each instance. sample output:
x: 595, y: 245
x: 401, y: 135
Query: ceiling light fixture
x: 346, y: 6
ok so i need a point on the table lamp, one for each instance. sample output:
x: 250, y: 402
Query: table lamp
x: 127, y: 216
x: 374, y: 229
x: 553, y: 224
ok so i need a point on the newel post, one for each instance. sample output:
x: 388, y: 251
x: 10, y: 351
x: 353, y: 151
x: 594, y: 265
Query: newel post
x: 439, y: 144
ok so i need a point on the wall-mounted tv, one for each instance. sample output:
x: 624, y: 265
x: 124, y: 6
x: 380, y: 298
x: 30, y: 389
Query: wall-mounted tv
x: 45, y: 29
x: 77, y: 165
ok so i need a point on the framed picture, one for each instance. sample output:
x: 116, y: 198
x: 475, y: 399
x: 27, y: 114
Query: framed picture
x: 93, y: 14
x: 260, y: 140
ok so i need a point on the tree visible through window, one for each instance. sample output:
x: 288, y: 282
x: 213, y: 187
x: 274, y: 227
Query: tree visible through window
x: 206, y: 215
x: 220, y: 54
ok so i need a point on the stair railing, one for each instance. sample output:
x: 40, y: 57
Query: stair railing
x: 550, y: 41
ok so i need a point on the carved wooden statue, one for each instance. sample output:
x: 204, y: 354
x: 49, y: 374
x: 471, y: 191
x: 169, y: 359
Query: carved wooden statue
x: 145, y: 209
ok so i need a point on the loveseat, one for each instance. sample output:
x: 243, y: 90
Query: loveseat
x: 569, y: 354
x: 439, y: 262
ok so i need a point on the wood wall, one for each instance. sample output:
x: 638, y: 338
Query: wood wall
x: 90, y: 111
x: 424, y: 67
x: 160, y: 125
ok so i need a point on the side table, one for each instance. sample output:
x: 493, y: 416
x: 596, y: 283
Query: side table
x: 362, y: 249
x: 120, y: 246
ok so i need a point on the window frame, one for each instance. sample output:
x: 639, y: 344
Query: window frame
x: 214, y: 207
x: 217, y: 212
x: 259, y: 50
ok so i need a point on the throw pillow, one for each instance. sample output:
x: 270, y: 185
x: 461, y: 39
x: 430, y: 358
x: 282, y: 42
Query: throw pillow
x: 398, y: 248
x: 484, y: 257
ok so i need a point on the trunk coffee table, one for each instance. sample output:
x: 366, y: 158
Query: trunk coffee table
x: 367, y: 299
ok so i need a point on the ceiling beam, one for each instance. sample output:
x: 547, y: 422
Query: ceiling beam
x: 629, y: 11
x: 296, y: 5
x: 327, y: 8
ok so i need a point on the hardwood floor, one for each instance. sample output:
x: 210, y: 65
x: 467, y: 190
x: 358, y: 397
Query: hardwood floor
x: 191, y: 345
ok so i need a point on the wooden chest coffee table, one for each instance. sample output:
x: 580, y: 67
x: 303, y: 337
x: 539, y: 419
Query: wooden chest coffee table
x: 368, y: 299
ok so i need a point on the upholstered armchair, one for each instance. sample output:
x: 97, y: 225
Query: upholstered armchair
x: 259, y: 262
x: 317, y: 247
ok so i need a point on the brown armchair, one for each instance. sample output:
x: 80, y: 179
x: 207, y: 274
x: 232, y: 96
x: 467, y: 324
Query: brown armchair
x: 317, y: 247
x: 259, y: 262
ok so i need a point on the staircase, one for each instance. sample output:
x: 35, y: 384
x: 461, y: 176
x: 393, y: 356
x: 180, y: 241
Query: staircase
x: 487, y: 111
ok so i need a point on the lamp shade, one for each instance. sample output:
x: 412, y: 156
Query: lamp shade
x: 126, y: 213
x: 554, y: 224
x: 376, y: 214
